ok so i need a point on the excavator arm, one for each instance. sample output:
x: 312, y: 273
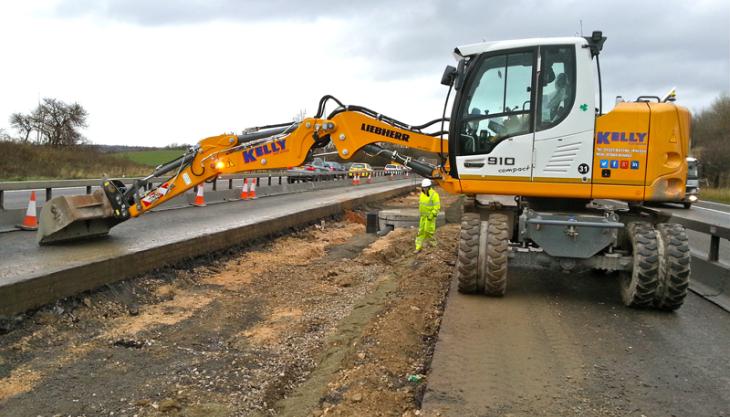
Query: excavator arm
x: 350, y: 128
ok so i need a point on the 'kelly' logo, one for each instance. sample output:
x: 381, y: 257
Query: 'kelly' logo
x: 605, y: 138
x: 250, y: 155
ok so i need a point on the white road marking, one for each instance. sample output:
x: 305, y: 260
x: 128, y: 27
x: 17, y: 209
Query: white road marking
x: 716, y: 211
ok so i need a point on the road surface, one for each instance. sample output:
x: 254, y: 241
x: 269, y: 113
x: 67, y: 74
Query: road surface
x: 564, y: 345
x: 20, y: 255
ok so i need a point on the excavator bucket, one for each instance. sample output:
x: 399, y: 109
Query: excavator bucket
x: 68, y: 218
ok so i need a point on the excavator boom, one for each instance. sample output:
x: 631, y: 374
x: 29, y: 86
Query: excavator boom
x: 349, y: 128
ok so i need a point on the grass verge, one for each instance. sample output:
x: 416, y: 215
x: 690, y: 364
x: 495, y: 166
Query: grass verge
x: 152, y: 157
x: 718, y: 195
x: 37, y: 162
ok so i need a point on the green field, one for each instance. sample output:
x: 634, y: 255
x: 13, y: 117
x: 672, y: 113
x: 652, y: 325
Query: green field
x: 720, y: 195
x: 151, y: 158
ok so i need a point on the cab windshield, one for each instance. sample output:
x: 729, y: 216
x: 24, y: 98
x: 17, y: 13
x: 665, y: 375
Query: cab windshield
x: 692, y: 171
x: 498, y: 102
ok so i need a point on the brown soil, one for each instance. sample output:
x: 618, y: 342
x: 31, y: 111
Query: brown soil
x: 327, y: 320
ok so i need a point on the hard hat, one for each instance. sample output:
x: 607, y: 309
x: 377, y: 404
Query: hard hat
x: 425, y: 183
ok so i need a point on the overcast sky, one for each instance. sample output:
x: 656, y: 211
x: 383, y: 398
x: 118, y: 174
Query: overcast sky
x: 155, y: 72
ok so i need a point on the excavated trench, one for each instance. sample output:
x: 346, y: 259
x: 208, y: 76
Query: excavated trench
x: 323, y: 319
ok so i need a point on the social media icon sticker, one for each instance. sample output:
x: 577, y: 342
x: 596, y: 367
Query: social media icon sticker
x: 624, y: 164
x: 634, y: 164
x: 614, y: 163
x: 604, y: 163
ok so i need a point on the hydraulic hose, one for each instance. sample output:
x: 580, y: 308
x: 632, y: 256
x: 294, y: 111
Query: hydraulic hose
x: 421, y: 168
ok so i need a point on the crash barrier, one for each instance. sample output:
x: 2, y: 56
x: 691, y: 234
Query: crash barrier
x: 223, y: 188
x: 710, y: 274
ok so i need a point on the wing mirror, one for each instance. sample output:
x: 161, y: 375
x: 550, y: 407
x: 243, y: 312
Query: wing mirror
x: 449, y: 76
x: 454, y: 76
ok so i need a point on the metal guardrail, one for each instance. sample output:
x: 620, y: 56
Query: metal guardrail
x: 710, y: 276
x: 263, y: 177
x: 716, y: 233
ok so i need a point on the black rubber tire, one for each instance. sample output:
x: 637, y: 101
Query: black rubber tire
x: 638, y: 287
x: 674, y: 267
x: 495, y: 269
x: 687, y: 205
x: 466, y: 263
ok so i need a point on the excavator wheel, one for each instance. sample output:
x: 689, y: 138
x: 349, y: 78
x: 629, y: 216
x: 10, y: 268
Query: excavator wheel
x: 638, y: 287
x: 495, y: 255
x: 674, y: 268
x: 466, y: 263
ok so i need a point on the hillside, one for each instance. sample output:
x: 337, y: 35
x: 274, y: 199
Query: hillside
x: 29, y: 162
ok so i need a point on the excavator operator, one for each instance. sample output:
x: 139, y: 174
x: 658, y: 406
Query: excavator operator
x: 429, y: 206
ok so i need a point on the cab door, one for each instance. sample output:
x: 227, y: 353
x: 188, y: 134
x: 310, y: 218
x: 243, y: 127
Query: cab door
x: 565, y: 117
x: 494, y: 117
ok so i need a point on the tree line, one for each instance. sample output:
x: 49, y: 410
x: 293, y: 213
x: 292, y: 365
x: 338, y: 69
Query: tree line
x: 711, y: 141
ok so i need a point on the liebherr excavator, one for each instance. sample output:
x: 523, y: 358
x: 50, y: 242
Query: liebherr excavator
x: 523, y: 123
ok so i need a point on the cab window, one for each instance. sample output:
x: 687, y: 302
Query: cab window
x: 498, y: 102
x: 557, y: 85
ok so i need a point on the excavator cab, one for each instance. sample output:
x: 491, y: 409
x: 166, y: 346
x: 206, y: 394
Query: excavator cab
x: 524, y: 115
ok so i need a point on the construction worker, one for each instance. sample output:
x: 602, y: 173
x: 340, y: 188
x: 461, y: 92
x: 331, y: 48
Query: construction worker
x: 429, y: 206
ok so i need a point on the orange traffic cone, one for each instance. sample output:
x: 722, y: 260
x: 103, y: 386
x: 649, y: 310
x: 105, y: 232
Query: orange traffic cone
x: 244, y: 189
x: 356, y: 180
x: 30, y: 221
x: 199, y: 198
x: 252, y: 194
x: 370, y: 179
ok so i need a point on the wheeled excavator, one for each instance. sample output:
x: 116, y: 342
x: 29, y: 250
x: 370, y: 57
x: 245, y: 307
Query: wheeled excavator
x: 550, y: 180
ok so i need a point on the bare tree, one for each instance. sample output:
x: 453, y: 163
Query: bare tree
x: 56, y: 121
x: 4, y: 137
x: 23, y: 124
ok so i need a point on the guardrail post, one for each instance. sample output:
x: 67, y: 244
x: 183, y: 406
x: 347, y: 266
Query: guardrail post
x: 714, y: 254
x: 88, y: 189
x: 49, y: 193
x: 2, y: 199
x: 230, y: 183
x: 269, y: 180
x: 279, y: 179
x: 215, y: 184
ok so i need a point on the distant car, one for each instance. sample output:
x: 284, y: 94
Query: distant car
x: 393, y: 169
x: 336, y: 168
x: 693, y: 182
x: 360, y: 168
x: 307, y: 172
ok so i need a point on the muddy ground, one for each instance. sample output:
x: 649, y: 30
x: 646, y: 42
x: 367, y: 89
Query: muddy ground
x: 327, y: 320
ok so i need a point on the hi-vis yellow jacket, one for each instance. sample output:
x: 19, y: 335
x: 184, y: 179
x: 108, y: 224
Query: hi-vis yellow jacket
x: 429, y: 205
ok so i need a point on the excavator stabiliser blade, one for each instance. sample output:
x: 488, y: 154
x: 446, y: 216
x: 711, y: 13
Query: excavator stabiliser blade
x: 68, y: 218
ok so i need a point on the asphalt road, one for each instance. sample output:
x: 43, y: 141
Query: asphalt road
x: 19, y: 199
x: 21, y: 257
x: 564, y: 345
